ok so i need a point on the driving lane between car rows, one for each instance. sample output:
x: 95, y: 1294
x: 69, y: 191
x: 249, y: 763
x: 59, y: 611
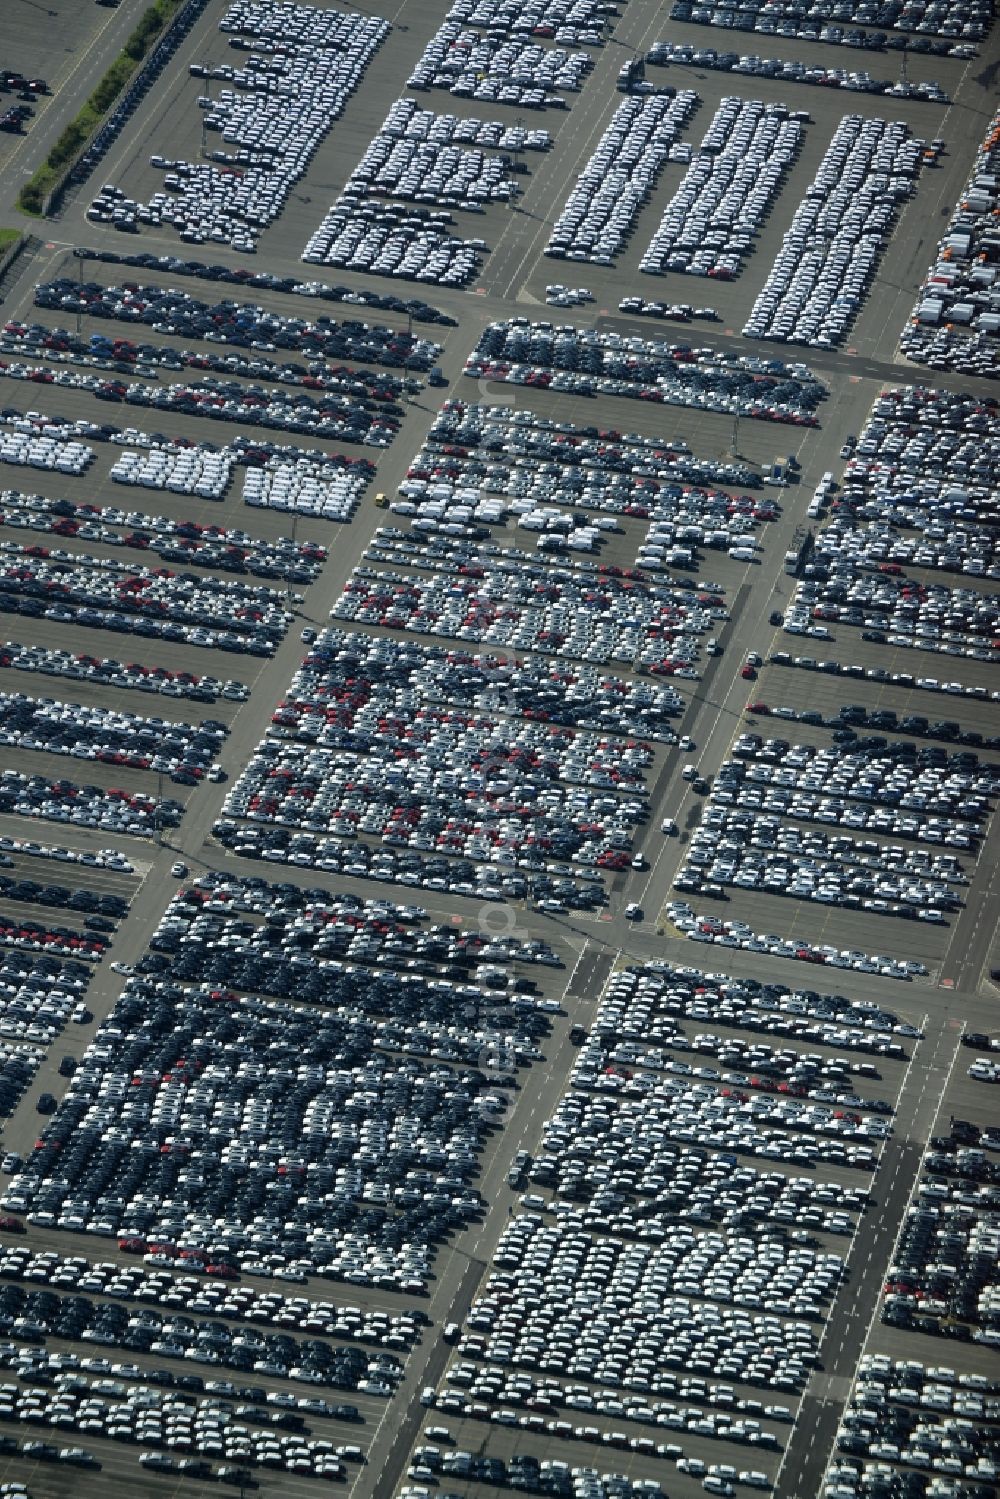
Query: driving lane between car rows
x: 548, y: 190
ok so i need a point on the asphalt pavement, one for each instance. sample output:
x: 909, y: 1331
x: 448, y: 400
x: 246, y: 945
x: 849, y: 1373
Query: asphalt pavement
x: 957, y: 991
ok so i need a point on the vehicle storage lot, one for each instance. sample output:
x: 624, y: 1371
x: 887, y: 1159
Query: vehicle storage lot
x: 877, y: 329
x: 651, y: 1186
x: 617, y: 1141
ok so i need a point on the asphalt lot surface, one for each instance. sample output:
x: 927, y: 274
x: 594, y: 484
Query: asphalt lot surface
x: 927, y: 1086
x: 70, y: 46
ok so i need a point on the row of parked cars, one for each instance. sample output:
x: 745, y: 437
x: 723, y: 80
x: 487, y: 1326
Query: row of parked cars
x: 577, y: 616
x: 112, y: 809
x: 27, y: 449
x: 215, y: 547
x: 407, y: 120
x: 173, y: 1335
x: 131, y: 676
x: 114, y: 737
x: 527, y: 1473
x: 729, y: 932
x: 496, y: 473
x: 948, y: 29
x: 411, y: 170
x: 589, y: 363
x: 875, y: 770
x: 724, y: 197
x: 498, y: 70
x: 180, y: 470
x: 137, y: 88
x: 100, y: 351
x: 101, y: 858
x: 305, y: 488
x: 769, y: 1274
x: 19, y: 1062
x: 345, y: 926
x: 942, y: 348
x: 392, y: 709
x: 942, y: 1280
x: 250, y: 451
x: 555, y: 886
x: 39, y: 935
x: 917, y: 1430
x: 832, y: 248
x: 410, y: 242
x: 274, y: 116
x: 340, y: 663
x: 715, y: 1199
x: 754, y: 852
x: 751, y: 1123
x: 897, y: 610
x: 793, y: 70
x: 595, y: 467
x: 247, y: 279
x: 674, y: 616
x: 248, y: 325
x: 575, y: 22
x: 79, y: 588
x: 852, y: 717
x: 20, y: 888
x: 938, y: 797
x: 861, y: 717
x: 335, y: 415
x: 649, y: 1003
x: 421, y: 162
x: 506, y: 801
x: 598, y: 217
x: 168, y: 1416
x: 184, y: 1298
x: 956, y: 317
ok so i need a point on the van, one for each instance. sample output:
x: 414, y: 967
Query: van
x: 689, y: 773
